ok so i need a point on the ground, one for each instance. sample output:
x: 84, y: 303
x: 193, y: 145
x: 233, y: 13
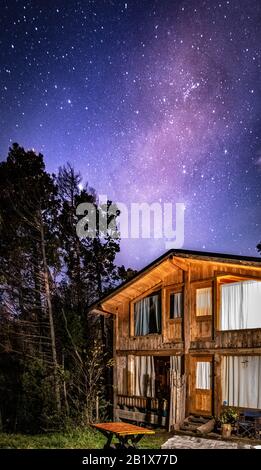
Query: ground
x: 76, y: 439
x: 92, y: 439
x: 188, y: 442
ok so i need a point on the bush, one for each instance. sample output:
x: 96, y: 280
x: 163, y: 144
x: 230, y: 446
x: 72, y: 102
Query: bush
x: 228, y: 415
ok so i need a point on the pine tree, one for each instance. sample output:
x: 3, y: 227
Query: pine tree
x: 29, y: 254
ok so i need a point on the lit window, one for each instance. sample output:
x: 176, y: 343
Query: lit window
x: 203, y: 376
x: 204, y: 301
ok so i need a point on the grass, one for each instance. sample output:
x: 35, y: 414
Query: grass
x: 76, y: 439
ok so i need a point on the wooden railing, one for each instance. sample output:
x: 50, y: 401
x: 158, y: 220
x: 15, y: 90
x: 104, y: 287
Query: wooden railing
x: 142, y: 409
x: 142, y: 402
x: 238, y: 339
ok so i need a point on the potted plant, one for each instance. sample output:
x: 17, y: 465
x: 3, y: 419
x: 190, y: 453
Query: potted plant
x: 227, y: 419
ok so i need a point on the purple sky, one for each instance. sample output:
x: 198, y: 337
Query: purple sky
x: 153, y: 101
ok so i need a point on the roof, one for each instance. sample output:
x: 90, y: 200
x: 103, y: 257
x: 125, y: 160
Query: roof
x: 180, y: 253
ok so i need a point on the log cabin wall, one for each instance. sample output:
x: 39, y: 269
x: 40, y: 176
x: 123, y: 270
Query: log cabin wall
x: 207, y: 335
x: 195, y: 337
x: 204, y: 334
x: 171, y: 336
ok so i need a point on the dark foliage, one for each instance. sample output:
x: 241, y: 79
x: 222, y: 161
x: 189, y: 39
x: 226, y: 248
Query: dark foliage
x: 55, y: 360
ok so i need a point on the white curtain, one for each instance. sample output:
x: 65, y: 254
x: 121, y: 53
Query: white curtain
x: 141, y: 316
x: 241, y: 381
x: 203, y: 375
x: 144, y: 376
x: 147, y: 317
x: 204, y: 301
x: 177, y: 393
x: 176, y: 305
x: 241, y: 305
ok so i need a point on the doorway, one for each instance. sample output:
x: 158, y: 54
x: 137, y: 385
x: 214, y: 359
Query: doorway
x: 201, y: 385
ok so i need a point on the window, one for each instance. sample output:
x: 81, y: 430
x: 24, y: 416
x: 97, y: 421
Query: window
x: 176, y: 305
x: 204, y: 301
x: 203, y: 375
x: 147, y: 316
x: 241, y: 305
x: 241, y: 385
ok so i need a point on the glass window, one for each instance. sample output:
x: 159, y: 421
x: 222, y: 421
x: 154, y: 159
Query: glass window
x: 176, y: 305
x: 204, y: 301
x: 241, y: 384
x: 203, y: 375
x: 147, y: 316
x: 241, y: 305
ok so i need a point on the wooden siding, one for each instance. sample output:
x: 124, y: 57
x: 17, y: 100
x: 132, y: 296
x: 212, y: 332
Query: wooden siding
x: 200, y: 401
x: 237, y: 339
x: 203, y: 331
x: 195, y: 337
x: 146, y: 343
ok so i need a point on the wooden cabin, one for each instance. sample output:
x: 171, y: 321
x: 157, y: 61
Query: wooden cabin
x: 187, y: 338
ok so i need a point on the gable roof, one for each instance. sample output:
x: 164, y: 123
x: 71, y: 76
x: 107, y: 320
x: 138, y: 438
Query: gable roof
x: 185, y: 254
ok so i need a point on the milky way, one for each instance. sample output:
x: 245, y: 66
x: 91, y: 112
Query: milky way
x: 153, y: 101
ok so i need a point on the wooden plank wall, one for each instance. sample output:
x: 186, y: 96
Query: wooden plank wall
x: 171, y: 329
x: 192, y: 335
x: 202, y: 332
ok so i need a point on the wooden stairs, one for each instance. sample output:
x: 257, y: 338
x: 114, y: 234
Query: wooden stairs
x: 198, y: 424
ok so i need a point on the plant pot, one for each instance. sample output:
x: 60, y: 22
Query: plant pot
x: 226, y: 430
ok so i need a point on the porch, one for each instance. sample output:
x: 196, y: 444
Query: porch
x: 143, y: 410
x: 151, y: 390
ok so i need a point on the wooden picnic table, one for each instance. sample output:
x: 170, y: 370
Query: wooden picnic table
x: 124, y: 432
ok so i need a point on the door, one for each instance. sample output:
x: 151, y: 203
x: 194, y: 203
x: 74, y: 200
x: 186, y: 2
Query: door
x: 201, y: 385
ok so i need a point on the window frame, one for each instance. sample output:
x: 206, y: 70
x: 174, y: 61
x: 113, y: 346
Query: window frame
x: 238, y: 355
x: 174, y: 290
x: 210, y: 375
x: 149, y: 293
x: 218, y: 286
x: 203, y: 285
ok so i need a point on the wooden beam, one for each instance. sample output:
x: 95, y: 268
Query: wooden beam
x: 217, y: 384
x: 151, y: 352
x: 187, y: 310
x: 175, y: 286
x: 179, y: 263
x: 227, y: 351
x: 115, y: 332
x: 186, y: 329
x: 99, y: 311
x: 236, y: 277
x: 111, y: 303
x: 164, y: 315
x: 227, y: 262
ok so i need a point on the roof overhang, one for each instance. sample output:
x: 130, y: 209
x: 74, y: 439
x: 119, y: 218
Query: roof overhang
x: 152, y: 275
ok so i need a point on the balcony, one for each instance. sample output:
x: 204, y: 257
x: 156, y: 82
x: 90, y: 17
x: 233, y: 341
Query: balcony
x: 238, y: 339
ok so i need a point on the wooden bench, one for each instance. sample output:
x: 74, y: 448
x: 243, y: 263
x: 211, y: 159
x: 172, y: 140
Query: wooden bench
x: 124, y: 432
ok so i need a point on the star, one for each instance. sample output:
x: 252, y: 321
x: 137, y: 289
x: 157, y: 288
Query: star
x: 149, y: 100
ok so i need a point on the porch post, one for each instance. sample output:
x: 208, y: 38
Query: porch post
x: 187, y: 313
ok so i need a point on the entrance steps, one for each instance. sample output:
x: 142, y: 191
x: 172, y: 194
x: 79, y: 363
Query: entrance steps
x: 198, y: 424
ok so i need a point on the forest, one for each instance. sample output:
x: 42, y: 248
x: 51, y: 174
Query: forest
x: 55, y: 359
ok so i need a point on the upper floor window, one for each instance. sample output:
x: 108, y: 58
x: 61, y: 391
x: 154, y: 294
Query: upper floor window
x: 175, y: 305
x: 204, y: 301
x: 147, y: 315
x: 240, y: 305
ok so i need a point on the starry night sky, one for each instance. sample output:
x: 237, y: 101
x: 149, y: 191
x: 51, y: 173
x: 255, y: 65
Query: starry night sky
x: 150, y: 100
